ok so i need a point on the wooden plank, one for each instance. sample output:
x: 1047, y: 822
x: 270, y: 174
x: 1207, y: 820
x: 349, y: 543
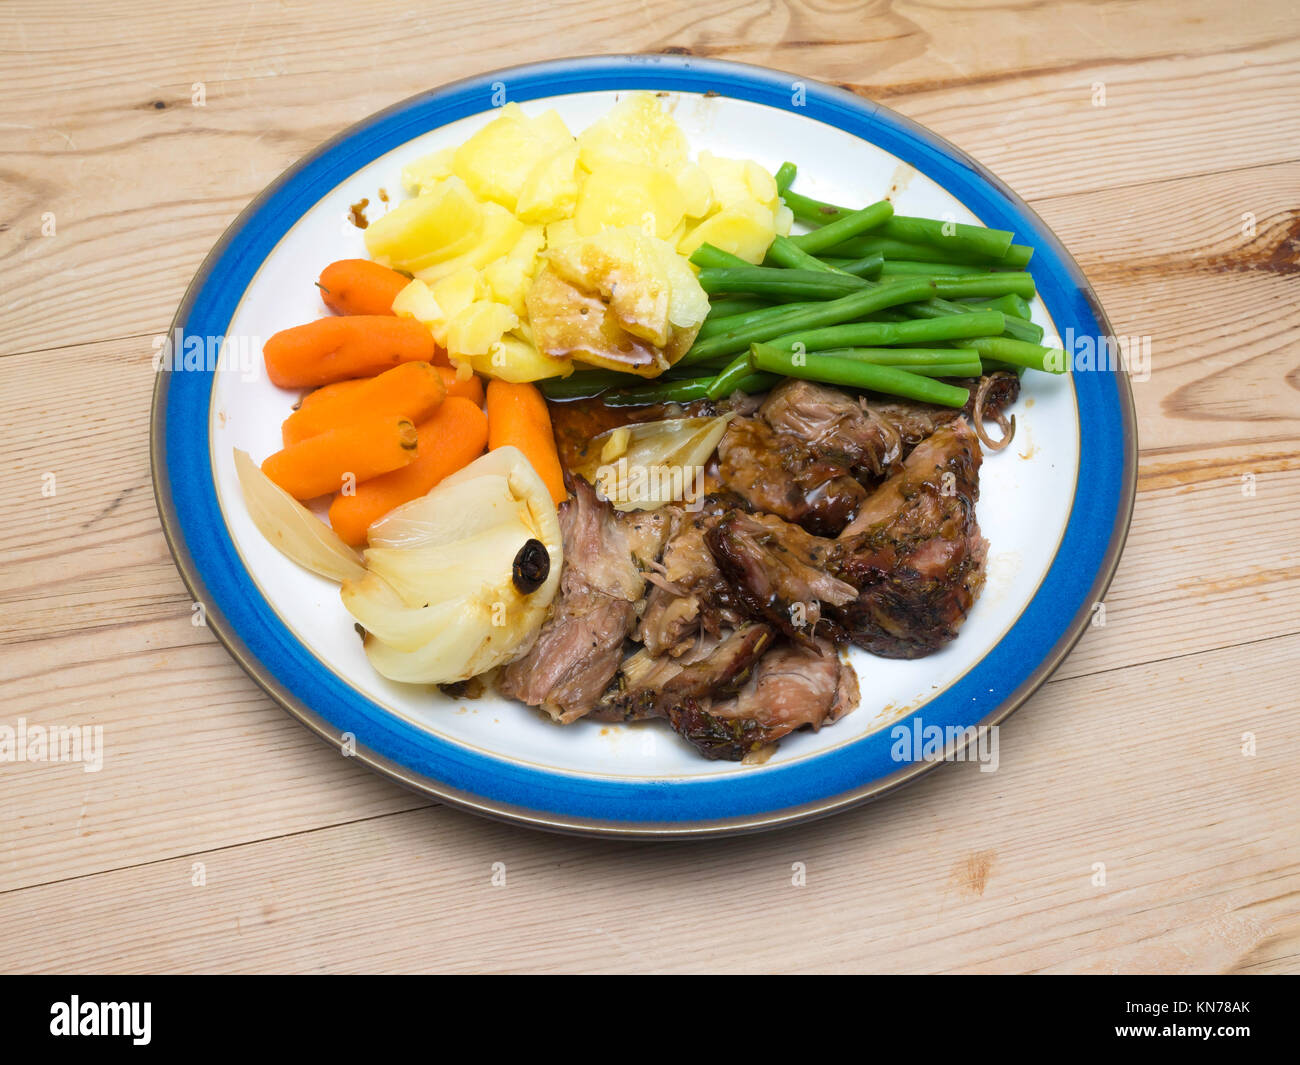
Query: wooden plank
x: 962, y: 871
x: 1204, y: 269
x: 88, y: 145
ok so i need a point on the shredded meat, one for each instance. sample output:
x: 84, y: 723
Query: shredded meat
x: 580, y: 645
x: 831, y: 518
x: 688, y: 593
x: 717, y: 667
x: 870, y: 436
x: 794, y: 687
x: 915, y: 552
x: 781, y: 573
x: 898, y: 581
x: 775, y: 473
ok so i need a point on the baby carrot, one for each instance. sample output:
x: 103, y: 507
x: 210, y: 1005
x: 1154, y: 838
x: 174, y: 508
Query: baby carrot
x: 452, y: 438
x: 358, y: 286
x: 412, y: 390
x: 334, y: 349
x: 338, y: 388
x: 351, y: 453
x: 517, y: 415
x: 471, y: 388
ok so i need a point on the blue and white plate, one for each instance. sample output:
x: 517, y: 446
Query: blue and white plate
x: 1055, y: 506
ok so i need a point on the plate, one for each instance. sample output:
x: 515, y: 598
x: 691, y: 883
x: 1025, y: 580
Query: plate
x: 1055, y: 506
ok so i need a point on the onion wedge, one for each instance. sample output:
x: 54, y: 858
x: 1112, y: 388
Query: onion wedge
x: 292, y: 529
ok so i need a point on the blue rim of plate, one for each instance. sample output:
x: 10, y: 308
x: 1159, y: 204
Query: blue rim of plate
x: 245, y: 622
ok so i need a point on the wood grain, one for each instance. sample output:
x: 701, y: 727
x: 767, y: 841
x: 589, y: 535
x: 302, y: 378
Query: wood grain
x: 1130, y: 757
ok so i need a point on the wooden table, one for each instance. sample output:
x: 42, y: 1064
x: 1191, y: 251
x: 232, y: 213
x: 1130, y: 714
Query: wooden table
x: 220, y: 835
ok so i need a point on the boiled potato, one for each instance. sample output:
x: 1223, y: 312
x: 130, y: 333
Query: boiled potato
x: 560, y: 233
x: 532, y: 249
x: 508, y: 278
x: 696, y: 188
x: 452, y: 294
x: 636, y: 130
x: 550, y: 192
x: 629, y: 194
x: 475, y: 328
x: 783, y: 220
x: 441, y: 224
x: 744, y: 229
x: 424, y: 174
x: 621, y: 267
x: 737, y: 181
x: 499, y: 232
x: 515, y: 359
x: 570, y: 323
x: 417, y: 301
x: 498, y: 159
x: 688, y: 303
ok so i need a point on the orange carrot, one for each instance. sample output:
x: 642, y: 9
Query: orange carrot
x: 358, y: 286
x: 452, y: 438
x: 517, y: 416
x: 338, y: 388
x: 471, y: 388
x: 412, y: 390
x: 334, y: 349
x: 345, y: 455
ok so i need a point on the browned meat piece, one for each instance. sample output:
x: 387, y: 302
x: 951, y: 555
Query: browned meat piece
x: 900, y: 579
x: 870, y: 436
x: 715, y: 668
x: 776, y: 473
x: 834, y: 424
x: 688, y: 593
x: 794, y: 687
x: 779, y: 572
x: 915, y: 552
x: 579, y: 647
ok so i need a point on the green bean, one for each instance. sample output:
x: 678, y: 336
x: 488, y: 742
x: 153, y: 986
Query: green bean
x: 868, y: 266
x: 706, y: 256
x: 1018, y: 256
x: 1019, y: 353
x: 730, y: 375
x: 778, y: 284
x: 992, y: 243
x: 850, y: 225
x: 685, y: 391
x: 951, y: 288
x: 831, y: 312
x: 912, y: 359
x: 581, y: 385
x: 1010, y: 304
x: 785, y: 175
x: 854, y: 374
x: 815, y: 212
x: 884, y: 334
x: 894, y: 250
x: 785, y: 252
x: 937, y: 308
x: 937, y: 362
x: 911, y: 267
x: 725, y: 308
x: 779, y: 312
